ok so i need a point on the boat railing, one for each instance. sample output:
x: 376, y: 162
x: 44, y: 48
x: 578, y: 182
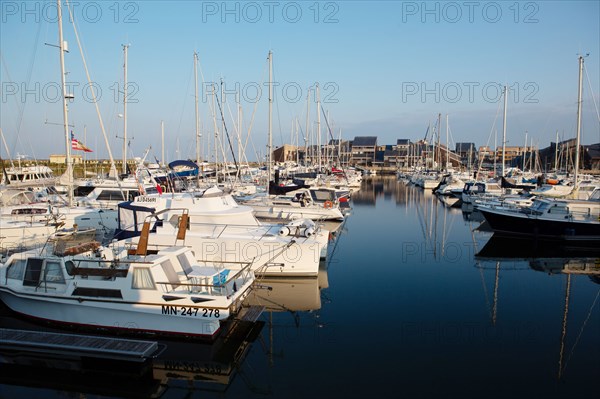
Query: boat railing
x: 213, y: 284
x: 219, y: 230
x: 582, y: 214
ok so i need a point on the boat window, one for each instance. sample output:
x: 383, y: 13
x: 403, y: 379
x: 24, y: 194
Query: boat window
x: 53, y: 273
x: 321, y: 195
x: 112, y: 195
x: 69, y: 267
x: 172, y: 277
x: 185, y: 263
x: 16, y: 270
x: 29, y: 211
x: 142, y: 279
x: 32, y: 272
x: 540, y: 206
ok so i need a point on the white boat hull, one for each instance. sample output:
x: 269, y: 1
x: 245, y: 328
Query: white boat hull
x: 147, y: 318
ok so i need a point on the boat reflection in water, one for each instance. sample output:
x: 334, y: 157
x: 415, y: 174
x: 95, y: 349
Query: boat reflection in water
x: 505, y: 247
x: 552, y: 258
x: 289, y: 294
x: 184, y: 366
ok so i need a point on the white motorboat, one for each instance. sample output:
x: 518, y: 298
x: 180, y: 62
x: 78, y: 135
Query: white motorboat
x: 25, y: 224
x: 119, y: 288
x: 297, y: 204
x: 219, y: 229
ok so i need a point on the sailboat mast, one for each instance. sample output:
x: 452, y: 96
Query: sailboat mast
x: 61, y: 46
x: 307, y: 127
x: 495, y: 151
x: 125, y: 47
x: 447, y: 145
x: 162, y: 142
x: 504, y: 129
x: 556, y: 154
x: 197, y: 117
x: 319, y: 128
x: 577, y: 140
x: 297, y: 142
x: 525, y: 151
x: 437, y: 153
x: 270, y: 142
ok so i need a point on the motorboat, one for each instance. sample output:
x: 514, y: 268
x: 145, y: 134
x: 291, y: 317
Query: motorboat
x: 220, y: 229
x: 123, y: 288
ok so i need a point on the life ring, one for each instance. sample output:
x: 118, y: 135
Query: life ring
x: 328, y: 204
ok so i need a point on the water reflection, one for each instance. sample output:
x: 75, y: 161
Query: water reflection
x: 506, y: 247
x: 184, y: 366
x: 385, y: 187
x: 290, y: 294
x: 414, y: 295
x: 551, y: 258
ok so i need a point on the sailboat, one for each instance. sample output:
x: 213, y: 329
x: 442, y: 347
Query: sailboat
x: 554, y: 219
x: 17, y: 233
x: 296, y: 201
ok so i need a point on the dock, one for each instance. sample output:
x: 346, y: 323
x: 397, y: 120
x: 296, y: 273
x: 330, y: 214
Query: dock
x: 78, y: 345
x: 250, y: 313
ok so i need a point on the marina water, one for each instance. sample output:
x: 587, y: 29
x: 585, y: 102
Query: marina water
x: 415, y: 300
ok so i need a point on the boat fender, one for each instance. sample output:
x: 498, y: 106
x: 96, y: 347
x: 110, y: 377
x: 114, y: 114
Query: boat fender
x: 284, y: 231
x: 309, y: 232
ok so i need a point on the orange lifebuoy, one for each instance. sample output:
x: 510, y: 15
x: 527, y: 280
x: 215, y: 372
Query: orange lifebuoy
x: 328, y: 204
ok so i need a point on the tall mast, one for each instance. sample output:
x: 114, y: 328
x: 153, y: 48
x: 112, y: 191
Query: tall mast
x: 504, y: 129
x: 125, y: 47
x: 270, y: 142
x: 162, y: 142
x: 579, y: 97
x: 447, y: 144
x: 197, y: 120
x: 525, y: 150
x: 556, y: 153
x: 297, y: 125
x: 61, y: 46
x: 239, y: 128
x: 437, y: 150
x: 85, y: 141
x: 318, y: 127
x: 495, y: 151
x: 307, y: 127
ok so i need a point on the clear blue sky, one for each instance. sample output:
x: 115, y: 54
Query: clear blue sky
x: 385, y: 68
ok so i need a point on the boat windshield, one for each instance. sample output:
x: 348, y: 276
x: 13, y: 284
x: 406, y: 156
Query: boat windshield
x: 540, y: 206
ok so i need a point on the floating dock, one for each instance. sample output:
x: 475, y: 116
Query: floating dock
x: 78, y: 345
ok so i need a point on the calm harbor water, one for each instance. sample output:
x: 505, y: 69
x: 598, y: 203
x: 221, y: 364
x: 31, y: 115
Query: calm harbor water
x: 403, y: 308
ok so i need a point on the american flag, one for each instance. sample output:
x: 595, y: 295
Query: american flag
x: 77, y: 145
